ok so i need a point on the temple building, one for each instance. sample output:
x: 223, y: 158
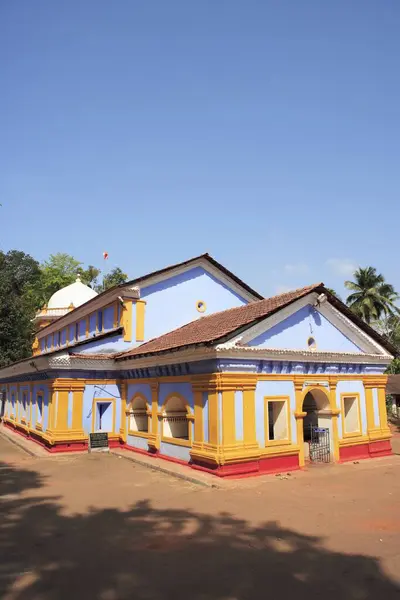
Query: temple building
x: 193, y: 365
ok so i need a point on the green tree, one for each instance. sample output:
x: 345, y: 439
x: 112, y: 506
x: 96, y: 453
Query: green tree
x: 20, y: 278
x: 90, y: 276
x: 371, y: 296
x: 58, y: 271
x: 114, y: 277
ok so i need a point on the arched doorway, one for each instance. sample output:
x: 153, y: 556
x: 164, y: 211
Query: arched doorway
x: 317, y: 426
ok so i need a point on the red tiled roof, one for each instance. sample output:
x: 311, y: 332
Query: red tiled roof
x: 218, y: 325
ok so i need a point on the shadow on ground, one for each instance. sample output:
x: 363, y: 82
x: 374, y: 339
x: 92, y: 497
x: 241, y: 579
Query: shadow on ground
x: 148, y: 554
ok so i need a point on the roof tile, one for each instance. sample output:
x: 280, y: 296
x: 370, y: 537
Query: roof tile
x: 218, y: 325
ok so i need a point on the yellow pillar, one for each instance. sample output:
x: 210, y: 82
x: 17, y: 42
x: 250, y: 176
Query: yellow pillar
x: 140, y: 314
x: 77, y: 408
x: 213, y: 417
x: 29, y: 409
x: 62, y: 410
x: 334, y: 417
x: 369, y: 404
x: 198, y: 416
x: 123, y: 391
x: 228, y: 417
x: 127, y: 320
x: 249, y: 416
x: 299, y: 416
x: 154, y: 436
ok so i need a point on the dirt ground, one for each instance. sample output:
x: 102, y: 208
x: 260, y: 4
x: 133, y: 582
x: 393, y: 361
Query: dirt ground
x: 102, y: 527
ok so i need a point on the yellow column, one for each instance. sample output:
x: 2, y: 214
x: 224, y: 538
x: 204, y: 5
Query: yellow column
x: 213, y: 417
x: 228, y: 417
x: 198, y: 416
x: 62, y: 410
x: 77, y: 408
x: 299, y: 416
x: 249, y: 416
x: 334, y: 417
x: 154, y: 436
x: 140, y: 314
x: 123, y: 391
x: 369, y: 403
x: 29, y: 419
x: 127, y: 320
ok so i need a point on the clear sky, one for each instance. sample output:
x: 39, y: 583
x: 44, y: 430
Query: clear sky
x: 264, y: 132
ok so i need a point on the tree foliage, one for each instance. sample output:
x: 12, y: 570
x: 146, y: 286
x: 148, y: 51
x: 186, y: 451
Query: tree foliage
x: 372, y: 297
x: 20, y: 277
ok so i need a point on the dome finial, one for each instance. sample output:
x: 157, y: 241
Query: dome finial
x: 78, y: 278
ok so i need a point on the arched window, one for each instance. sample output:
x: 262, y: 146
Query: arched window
x: 138, y: 417
x: 175, y: 419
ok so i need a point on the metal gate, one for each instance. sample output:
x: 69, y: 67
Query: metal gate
x: 320, y: 447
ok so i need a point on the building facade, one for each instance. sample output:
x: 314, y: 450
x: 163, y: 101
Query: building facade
x: 191, y: 364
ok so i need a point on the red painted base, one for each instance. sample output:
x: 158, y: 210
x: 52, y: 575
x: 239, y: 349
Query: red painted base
x: 264, y: 466
x: 368, y: 450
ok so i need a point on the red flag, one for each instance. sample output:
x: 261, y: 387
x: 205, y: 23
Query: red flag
x: 105, y: 255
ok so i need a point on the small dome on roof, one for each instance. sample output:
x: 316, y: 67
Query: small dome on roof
x: 77, y: 293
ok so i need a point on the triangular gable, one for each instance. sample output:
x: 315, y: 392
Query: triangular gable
x: 196, y: 267
x: 308, y: 325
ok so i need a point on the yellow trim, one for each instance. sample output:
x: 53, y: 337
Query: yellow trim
x: 178, y: 441
x: 287, y: 441
x: 201, y: 306
x: 103, y: 400
x: 39, y: 426
x: 141, y: 434
x: 87, y: 326
x: 123, y: 391
x: 127, y: 320
x: 353, y: 441
x: 140, y: 314
x: 358, y: 432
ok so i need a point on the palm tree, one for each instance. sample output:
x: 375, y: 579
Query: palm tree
x: 372, y: 297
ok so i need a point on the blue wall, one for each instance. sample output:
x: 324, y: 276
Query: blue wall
x: 274, y: 388
x: 108, y: 318
x: 37, y: 389
x: 175, y: 451
x: 172, y: 302
x: 294, y: 332
x: 137, y: 442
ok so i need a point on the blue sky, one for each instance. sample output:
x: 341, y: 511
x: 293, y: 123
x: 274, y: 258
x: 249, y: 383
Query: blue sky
x: 266, y: 133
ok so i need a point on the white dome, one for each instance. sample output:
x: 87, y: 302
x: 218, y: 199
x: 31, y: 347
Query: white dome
x: 77, y: 293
